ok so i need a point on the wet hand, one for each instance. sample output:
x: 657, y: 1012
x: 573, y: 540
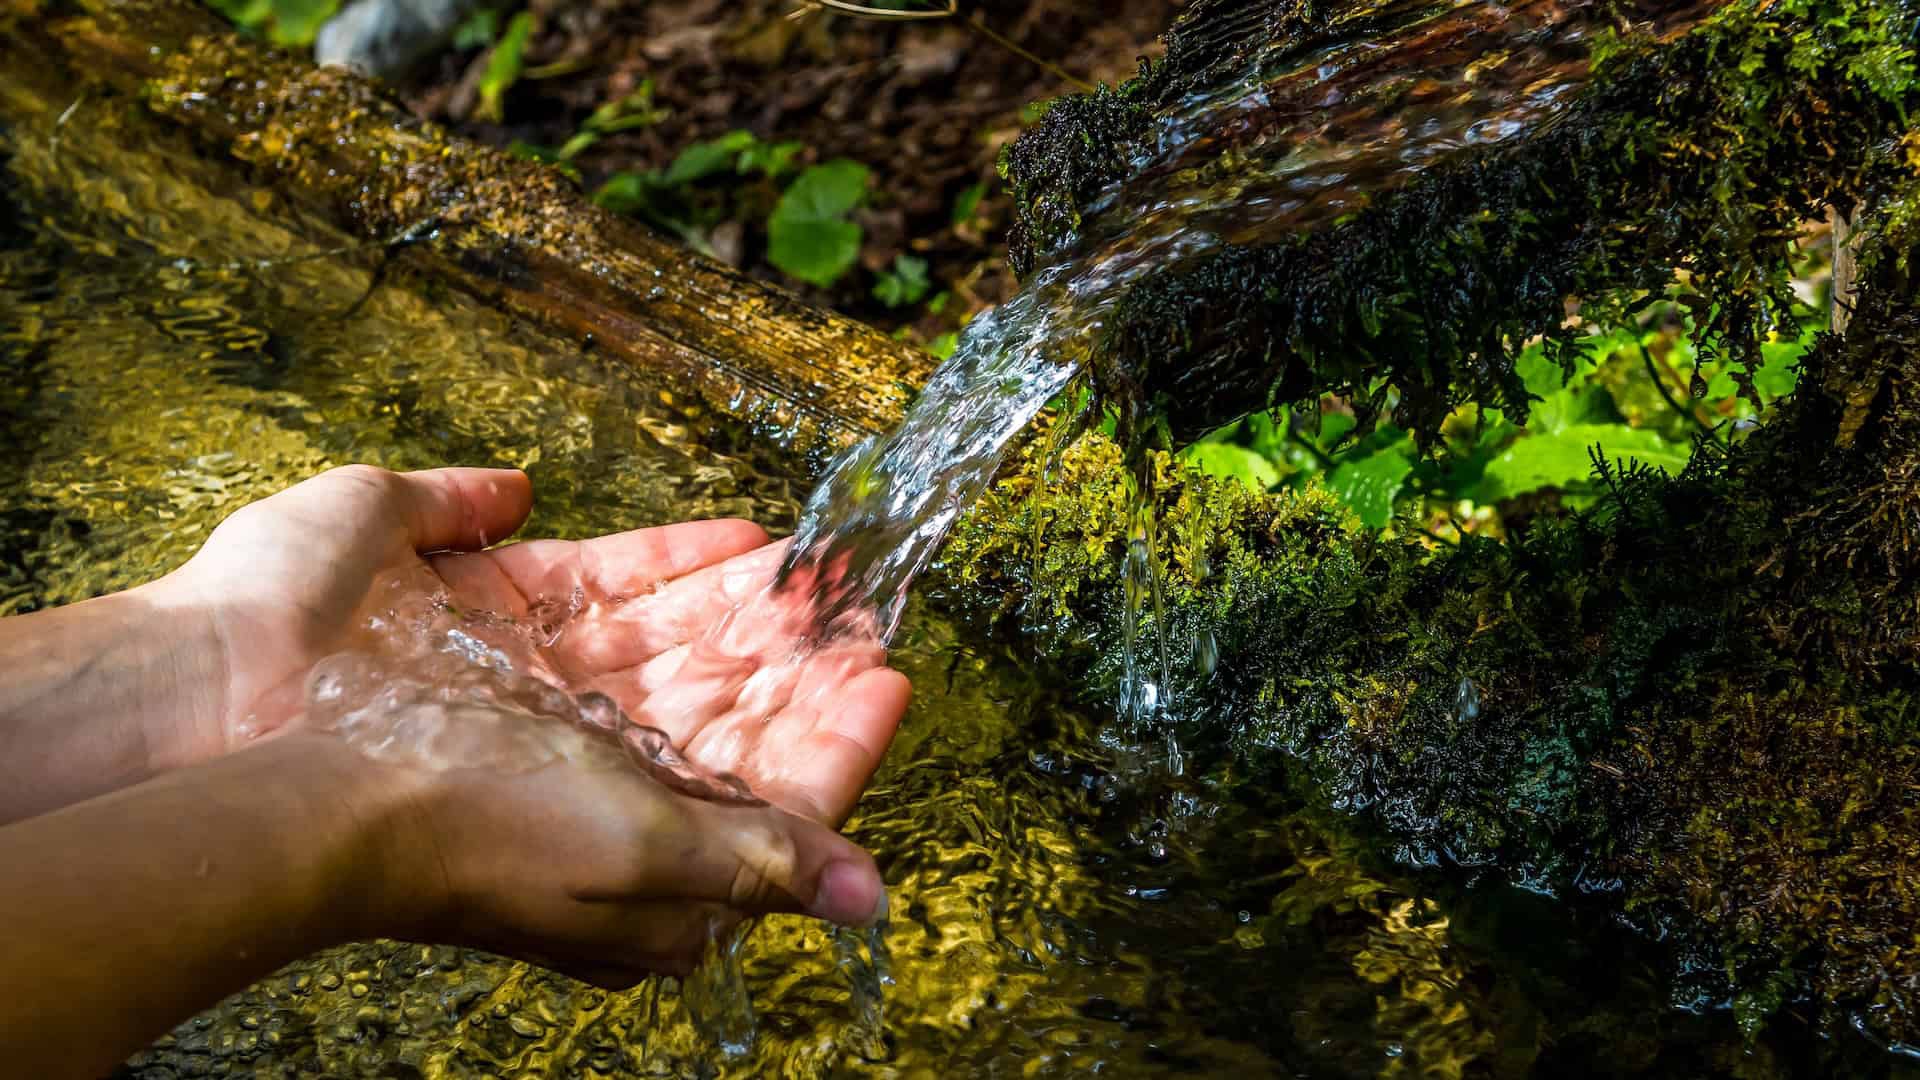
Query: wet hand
x: 282, y: 581
x: 604, y: 874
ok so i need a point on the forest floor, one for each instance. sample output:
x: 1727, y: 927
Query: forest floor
x: 924, y: 106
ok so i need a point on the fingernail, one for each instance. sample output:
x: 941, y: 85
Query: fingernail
x: 849, y: 894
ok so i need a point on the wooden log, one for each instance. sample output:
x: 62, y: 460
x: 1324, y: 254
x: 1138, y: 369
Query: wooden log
x: 506, y: 229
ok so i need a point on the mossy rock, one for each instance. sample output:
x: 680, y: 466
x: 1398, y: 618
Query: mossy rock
x: 1699, y: 153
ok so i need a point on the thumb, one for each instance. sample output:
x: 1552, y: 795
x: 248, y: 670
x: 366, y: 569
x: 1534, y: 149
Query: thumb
x: 760, y: 859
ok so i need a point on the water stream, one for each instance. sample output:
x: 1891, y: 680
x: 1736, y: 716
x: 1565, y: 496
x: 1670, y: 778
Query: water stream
x: 1289, y: 136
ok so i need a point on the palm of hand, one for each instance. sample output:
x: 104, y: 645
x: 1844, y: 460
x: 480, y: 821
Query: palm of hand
x: 804, y: 729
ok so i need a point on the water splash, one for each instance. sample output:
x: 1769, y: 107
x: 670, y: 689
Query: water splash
x: 716, y: 995
x: 427, y: 683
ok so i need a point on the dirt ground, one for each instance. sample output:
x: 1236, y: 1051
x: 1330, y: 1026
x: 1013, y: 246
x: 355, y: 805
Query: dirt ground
x: 925, y: 104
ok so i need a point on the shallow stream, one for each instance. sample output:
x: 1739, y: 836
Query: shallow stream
x: 1060, y: 903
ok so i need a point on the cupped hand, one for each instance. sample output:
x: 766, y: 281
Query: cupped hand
x: 282, y: 581
x: 605, y: 873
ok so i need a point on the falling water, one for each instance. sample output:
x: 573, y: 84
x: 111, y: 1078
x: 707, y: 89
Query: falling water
x: 1299, y: 133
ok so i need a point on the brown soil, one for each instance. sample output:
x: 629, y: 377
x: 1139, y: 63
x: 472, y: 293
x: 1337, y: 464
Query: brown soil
x: 926, y: 105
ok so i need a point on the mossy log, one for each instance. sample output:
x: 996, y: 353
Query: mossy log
x: 501, y: 227
x: 1695, y: 146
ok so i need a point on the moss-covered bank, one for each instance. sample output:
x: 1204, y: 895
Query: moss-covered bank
x: 1696, y: 703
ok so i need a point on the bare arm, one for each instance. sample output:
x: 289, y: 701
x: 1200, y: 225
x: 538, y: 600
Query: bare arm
x: 99, y: 695
x: 127, y: 913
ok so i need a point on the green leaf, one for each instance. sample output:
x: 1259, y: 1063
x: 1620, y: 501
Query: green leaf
x: 503, y: 67
x: 478, y: 29
x: 773, y: 160
x: 944, y: 345
x: 626, y: 192
x: 1370, y: 484
x: 815, y: 251
x: 1230, y: 462
x: 246, y: 14
x: 297, y: 22
x: 1779, y: 370
x: 704, y: 159
x: 967, y: 203
x: 824, y: 191
x: 905, y: 284
x: 1561, y: 459
x: 808, y: 234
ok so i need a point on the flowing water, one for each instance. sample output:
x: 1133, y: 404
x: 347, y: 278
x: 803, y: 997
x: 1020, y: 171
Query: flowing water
x: 1062, y: 902
x: 1288, y: 136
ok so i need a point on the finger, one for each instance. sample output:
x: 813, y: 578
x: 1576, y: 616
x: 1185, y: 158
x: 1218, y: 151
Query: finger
x: 626, y: 564
x: 461, y: 509
x: 821, y: 774
x: 472, y: 578
x: 759, y: 860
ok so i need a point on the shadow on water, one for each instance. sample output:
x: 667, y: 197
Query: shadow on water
x: 1063, y: 904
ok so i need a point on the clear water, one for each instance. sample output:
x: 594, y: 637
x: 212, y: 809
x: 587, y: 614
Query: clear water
x: 1062, y: 903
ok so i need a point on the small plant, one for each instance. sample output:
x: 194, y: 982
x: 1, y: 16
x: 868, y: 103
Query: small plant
x: 675, y: 198
x: 906, y: 283
x: 1634, y: 396
x: 503, y: 68
x: 809, y: 235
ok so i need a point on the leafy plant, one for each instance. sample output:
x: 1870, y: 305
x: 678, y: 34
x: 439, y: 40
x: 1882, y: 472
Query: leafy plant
x: 809, y: 235
x: 967, y: 203
x: 1629, y: 398
x: 671, y: 199
x: 477, y: 30
x: 623, y: 114
x: 905, y: 284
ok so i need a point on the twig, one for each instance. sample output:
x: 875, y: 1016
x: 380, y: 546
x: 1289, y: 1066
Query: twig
x: 1048, y: 66
x: 1667, y: 396
x: 951, y: 10
x: 948, y: 12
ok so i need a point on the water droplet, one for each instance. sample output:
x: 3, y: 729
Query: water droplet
x: 1466, y: 702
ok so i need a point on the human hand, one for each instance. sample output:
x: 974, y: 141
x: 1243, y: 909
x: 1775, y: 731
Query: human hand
x: 560, y: 859
x: 281, y: 583
x: 604, y: 874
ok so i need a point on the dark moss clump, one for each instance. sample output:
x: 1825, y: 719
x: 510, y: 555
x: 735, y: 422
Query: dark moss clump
x: 1699, y: 703
x: 1085, y: 142
x: 1702, y: 155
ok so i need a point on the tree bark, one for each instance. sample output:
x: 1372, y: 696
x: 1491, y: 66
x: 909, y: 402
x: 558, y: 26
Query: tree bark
x: 508, y: 230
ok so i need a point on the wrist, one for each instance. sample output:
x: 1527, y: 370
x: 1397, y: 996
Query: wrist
x: 376, y: 819
x: 99, y: 695
x: 186, y: 718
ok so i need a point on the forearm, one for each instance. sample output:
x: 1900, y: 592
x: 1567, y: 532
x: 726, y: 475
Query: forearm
x: 130, y: 912
x: 95, y: 696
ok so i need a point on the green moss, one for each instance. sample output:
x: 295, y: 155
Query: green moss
x: 1696, y: 702
x: 1701, y: 155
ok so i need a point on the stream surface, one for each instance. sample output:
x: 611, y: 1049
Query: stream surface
x: 1061, y: 902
